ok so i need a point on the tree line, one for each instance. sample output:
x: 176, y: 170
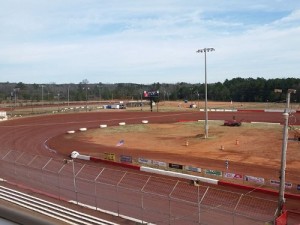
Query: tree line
x: 237, y: 89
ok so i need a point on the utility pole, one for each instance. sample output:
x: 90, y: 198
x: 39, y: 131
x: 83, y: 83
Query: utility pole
x: 281, y: 199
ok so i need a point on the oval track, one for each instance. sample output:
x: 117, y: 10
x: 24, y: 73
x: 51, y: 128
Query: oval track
x: 31, y: 134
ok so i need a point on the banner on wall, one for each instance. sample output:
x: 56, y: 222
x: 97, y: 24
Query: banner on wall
x: 277, y: 183
x: 233, y: 176
x: 258, y: 180
x: 145, y: 161
x: 213, y: 172
x: 126, y: 158
x: 193, y: 169
x: 158, y: 163
x: 175, y: 166
x: 109, y: 156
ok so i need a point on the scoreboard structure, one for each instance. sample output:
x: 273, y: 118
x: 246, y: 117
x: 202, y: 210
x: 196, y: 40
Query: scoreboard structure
x: 153, y: 96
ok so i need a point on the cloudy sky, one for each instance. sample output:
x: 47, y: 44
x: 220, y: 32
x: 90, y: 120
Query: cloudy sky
x: 143, y: 41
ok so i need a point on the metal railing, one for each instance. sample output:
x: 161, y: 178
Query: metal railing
x: 146, y: 198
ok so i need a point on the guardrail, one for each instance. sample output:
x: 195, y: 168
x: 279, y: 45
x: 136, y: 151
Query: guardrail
x: 46, y: 208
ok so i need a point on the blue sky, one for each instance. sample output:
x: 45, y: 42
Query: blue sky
x: 143, y: 41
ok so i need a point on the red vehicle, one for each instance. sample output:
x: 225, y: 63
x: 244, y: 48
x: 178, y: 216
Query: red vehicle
x: 232, y: 123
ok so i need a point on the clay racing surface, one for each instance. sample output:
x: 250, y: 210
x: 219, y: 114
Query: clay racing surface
x: 253, y: 149
x: 164, y: 138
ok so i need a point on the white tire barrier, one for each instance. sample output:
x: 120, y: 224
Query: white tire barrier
x: 74, y: 154
x: 83, y: 129
x: 122, y: 123
x: 178, y: 175
x: 144, y: 121
x: 71, y: 131
x: 103, y: 125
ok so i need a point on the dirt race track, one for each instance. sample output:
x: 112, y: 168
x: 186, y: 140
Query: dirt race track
x: 46, y: 135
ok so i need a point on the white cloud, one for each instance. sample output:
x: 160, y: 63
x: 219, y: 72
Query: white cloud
x: 146, y: 41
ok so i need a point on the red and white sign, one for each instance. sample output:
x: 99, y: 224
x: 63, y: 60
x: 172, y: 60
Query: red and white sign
x: 233, y: 176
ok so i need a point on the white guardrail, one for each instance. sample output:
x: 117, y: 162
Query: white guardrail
x: 50, y: 209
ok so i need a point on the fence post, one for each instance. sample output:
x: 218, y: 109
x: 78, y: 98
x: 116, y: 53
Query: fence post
x: 169, y: 210
x: 142, y: 207
x: 199, y: 219
x: 95, y: 195
x: 233, y: 213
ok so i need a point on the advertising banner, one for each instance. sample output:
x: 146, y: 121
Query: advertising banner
x: 126, y: 158
x: 193, y: 169
x: 175, y: 166
x: 233, y: 176
x: 298, y: 187
x: 258, y: 180
x: 151, y: 94
x: 277, y: 183
x: 109, y: 156
x: 213, y: 172
x: 145, y: 161
x: 158, y: 163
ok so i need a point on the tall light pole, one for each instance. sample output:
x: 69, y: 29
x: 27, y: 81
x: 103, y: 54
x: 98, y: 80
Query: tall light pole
x: 68, y: 95
x: 198, y: 99
x: 206, y: 113
x: 99, y: 92
x: 281, y: 199
x: 58, y: 94
x: 86, y: 97
x: 42, y: 94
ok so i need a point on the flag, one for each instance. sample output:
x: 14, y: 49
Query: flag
x: 121, y: 142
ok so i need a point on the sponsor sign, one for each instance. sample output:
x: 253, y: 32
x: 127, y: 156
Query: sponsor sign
x: 233, y: 176
x: 158, y: 163
x: 193, y: 169
x: 258, y: 180
x: 126, y: 158
x: 213, y: 172
x: 298, y: 187
x: 109, y: 156
x: 151, y: 94
x: 175, y: 166
x: 277, y: 183
x: 145, y: 161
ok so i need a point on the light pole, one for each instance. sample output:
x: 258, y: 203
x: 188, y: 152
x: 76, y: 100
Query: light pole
x: 68, y: 96
x: 99, y: 92
x: 58, y: 94
x: 15, y: 91
x: 42, y: 94
x: 198, y: 99
x: 281, y: 199
x: 206, y: 113
x: 86, y: 97
x: 15, y: 95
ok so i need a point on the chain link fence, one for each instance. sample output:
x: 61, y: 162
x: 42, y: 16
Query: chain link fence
x: 149, y: 199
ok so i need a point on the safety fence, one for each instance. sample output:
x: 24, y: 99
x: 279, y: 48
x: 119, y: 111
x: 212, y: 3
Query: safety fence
x: 225, y: 175
x: 147, y: 198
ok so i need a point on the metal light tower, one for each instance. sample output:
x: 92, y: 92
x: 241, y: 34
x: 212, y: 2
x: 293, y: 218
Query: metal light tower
x: 86, y: 98
x: 68, y: 95
x: 42, y: 94
x: 206, y: 113
x: 281, y: 199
